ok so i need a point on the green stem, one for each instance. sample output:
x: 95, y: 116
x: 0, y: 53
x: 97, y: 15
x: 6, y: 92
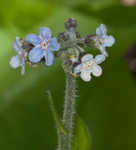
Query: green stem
x: 71, y: 44
x: 65, y: 141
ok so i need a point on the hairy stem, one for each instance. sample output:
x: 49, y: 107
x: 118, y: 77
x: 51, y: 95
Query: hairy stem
x: 65, y: 141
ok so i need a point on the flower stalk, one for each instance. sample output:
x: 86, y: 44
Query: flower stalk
x: 65, y: 141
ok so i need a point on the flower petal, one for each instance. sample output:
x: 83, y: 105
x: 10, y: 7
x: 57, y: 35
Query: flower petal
x: 23, y: 69
x: 15, y: 62
x: 36, y: 54
x: 49, y: 57
x: 109, y: 41
x: 86, y: 57
x: 101, y: 30
x: 103, y: 50
x: 45, y: 33
x: 33, y: 39
x: 17, y: 44
x: 86, y: 75
x: 99, y: 59
x: 54, y: 45
x: 97, y: 70
x: 77, y: 69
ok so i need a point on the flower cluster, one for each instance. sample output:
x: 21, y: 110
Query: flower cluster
x: 101, y: 40
x: 36, y: 49
x: 19, y: 59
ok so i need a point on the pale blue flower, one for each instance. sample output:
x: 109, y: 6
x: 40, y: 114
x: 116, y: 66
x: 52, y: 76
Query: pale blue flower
x: 88, y: 66
x: 44, y: 45
x: 103, y: 40
x: 19, y: 59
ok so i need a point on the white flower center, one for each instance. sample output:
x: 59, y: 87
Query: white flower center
x: 21, y: 54
x: 44, y: 45
x: 88, y: 65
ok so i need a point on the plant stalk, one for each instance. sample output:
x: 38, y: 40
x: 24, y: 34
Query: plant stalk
x: 65, y: 141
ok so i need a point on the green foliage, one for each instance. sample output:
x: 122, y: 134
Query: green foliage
x: 116, y: 15
x: 24, y: 14
x: 82, y: 140
x: 59, y: 124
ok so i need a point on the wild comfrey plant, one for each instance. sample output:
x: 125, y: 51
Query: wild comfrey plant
x: 76, y: 62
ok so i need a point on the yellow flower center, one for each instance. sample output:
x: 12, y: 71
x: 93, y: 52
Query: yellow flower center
x: 101, y: 41
x: 71, y: 56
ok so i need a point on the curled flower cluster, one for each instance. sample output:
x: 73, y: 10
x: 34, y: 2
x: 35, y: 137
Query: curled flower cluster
x: 70, y: 48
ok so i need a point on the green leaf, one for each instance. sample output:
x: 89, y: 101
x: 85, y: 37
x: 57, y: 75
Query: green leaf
x: 82, y: 139
x: 25, y: 14
x: 58, y: 121
x: 104, y: 15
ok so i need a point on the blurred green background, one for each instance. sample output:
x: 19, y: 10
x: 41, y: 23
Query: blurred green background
x: 106, y: 104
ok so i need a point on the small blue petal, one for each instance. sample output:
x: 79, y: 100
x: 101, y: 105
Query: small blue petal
x: 54, y: 45
x: 86, y: 58
x: 103, y: 51
x: 100, y: 58
x: 109, y: 41
x: 17, y: 44
x: 49, y: 57
x: 101, y: 30
x: 33, y: 39
x: 15, y: 62
x: 77, y: 69
x: 45, y: 33
x: 23, y: 69
x: 36, y: 54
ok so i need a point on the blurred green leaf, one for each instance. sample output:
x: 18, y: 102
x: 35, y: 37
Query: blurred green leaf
x: 116, y: 15
x: 25, y: 14
x: 82, y: 139
x: 57, y: 119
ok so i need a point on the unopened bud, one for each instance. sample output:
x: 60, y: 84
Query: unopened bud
x: 71, y: 24
x: 63, y: 36
x: 90, y: 40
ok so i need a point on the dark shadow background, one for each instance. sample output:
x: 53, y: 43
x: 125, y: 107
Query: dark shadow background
x: 106, y: 104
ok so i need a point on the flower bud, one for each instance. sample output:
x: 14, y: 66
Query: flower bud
x: 90, y: 40
x: 71, y: 24
x: 78, y: 35
x: 63, y: 36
